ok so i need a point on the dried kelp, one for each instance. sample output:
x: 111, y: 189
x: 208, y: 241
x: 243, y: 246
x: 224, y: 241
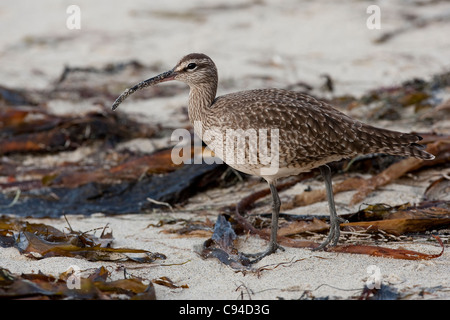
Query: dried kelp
x: 440, y: 148
x: 188, y: 228
x: 439, y: 189
x: 221, y: 244
x: 106, y: 180
x: 14, y: 97
x: 72, y: 285
x: 378, y: 251
x: 403, y: 219
x: 90, y: 186
x: 428, y: 99
x: 34, y: 246
x: 398, y: 220
x: 247, y: 202
x: 97, y: 183
x: 41, y: 241
x: 167, y: 282
x: 114, y: 198
x: 35, y: 131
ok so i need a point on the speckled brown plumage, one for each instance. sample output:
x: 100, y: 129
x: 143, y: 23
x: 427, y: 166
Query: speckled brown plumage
x: 310, y: 132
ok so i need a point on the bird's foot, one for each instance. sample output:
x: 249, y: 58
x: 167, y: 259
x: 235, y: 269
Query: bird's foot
x: 260, y: 255
x: 333, y: 235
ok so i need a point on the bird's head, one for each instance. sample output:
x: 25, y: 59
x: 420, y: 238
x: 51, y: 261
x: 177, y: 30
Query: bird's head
x: 195, y: 69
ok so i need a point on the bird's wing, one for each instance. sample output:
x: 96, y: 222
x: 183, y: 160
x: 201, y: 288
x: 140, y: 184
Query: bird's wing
x: 309, y: 128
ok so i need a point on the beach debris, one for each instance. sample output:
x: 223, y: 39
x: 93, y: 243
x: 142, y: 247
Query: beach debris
x: 379, y: 219
x: 378, y: 251
x: 221, y: 246
x: 113, y: 181
x: 101, y: 178
x: 423, y: 97
x: 39, y: 241
x: 33, y: 130
x: 110, y: 68
x: 72, y: 285
x: 14, y: 97
x: 186, y: 228
x: 412, y: 22
x: 384, y: 292
x: 439, y: 189
x: 402, y: 219
x: 167, y: 282
x: 269, y: 267
x: 441, y: 150
x: 86, y: 192
x: 39, y: 177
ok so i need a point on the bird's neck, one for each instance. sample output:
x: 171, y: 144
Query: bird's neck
x: 201, y: 97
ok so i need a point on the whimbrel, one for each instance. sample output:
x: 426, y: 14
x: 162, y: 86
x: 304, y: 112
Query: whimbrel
x: 309, y: 133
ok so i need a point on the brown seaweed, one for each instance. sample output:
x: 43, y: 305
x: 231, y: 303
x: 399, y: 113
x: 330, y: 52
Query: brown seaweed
x: 68, y: 285
x: 42, y: 241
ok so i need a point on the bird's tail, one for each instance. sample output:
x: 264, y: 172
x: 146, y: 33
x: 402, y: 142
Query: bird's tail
x: 394, y: 143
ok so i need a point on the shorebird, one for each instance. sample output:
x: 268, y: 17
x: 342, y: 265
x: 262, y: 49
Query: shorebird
x: 302, y: 133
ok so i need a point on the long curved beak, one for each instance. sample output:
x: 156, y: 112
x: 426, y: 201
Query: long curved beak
x: 166, y: 76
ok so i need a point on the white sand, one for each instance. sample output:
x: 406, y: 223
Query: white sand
x: 288, y: 42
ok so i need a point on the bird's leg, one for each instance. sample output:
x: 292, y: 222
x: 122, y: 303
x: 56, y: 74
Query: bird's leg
x: 276, y: 204
x: 335, y: 221
x: 273, y: 245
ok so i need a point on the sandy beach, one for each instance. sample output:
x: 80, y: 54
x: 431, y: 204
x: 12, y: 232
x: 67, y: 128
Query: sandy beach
x: 255, y: 44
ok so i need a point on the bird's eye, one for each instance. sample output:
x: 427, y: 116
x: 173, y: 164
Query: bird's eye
x: 191, y: 66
